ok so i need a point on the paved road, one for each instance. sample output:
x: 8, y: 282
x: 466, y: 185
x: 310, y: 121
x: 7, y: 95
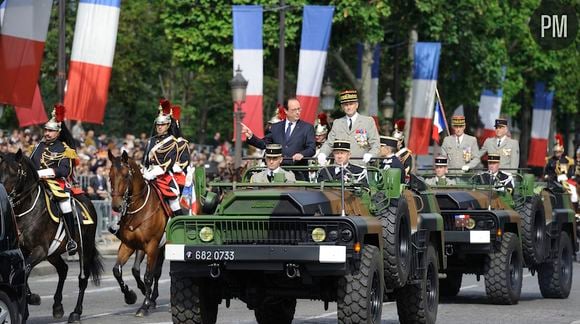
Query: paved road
x: 105, y: 304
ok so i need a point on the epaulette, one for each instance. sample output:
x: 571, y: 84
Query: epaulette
x: 69, y: 152
x: 570, y: 160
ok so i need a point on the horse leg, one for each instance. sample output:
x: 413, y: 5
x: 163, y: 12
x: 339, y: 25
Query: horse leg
x: 156, y: 276
x: 152, y: 253
x: 122, y: 257
x: 75, y: 316
x: 33, y: 259
x: 139, y: 256
x: 62, y: 270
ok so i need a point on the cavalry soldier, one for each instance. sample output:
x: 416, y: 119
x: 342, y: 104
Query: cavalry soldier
x: 558, y: 164
x: 273, y: 161
x: 440, y: 171
x: 403, y: 153
x: 496, y: 177
x: 183, y: 151
x: 54, y: 158
x: 320, y: 131
x: 508, y: 149
x: 160, y: 157
x: 351, y: 172
x: 390, y: 160
x: 461, y: 149
x: 360, y: 131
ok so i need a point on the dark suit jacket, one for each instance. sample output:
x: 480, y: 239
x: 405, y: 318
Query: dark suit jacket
x: 330, y: 174
x: 301, y: 140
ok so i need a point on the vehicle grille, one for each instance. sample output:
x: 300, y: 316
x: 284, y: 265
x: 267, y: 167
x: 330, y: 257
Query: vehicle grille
x: 449, y: 223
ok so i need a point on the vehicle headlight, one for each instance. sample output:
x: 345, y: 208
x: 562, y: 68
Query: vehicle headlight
x: 470, y: 223
x: 206, y: 234
x: 318, y: 234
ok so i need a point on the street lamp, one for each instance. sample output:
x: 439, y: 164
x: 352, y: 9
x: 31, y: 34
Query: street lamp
x: 328, y: 96
x: 238, y: 85
x: 388, y: 107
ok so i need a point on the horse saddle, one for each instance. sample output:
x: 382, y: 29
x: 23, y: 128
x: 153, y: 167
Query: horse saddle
x: 164, y: 205
x: 55, y: 212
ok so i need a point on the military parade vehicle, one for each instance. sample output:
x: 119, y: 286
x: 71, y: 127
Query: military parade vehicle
x: 273, y: 243
x: 496, y: 232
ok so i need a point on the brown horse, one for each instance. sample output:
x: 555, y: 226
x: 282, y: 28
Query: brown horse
x: 142, y: 226
x: 37, y: 231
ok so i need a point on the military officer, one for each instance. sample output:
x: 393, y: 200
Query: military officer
x: 320, y: 131
x: 507, y: 148
x: 440, y: 178
x: 274, y: 173
x: 360, y: 131
x: 54, y: 159
x: 403, y: 153
x: 387, y: 154
x: 349, y: 171
x: 461, y: 149
x: 183, y: 151
x: 500, y: 179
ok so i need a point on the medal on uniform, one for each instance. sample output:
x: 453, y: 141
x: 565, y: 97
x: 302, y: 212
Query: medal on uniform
x: 467, y: 154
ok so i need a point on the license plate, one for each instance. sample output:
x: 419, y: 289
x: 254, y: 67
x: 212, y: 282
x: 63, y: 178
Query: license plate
x: 216, y: 255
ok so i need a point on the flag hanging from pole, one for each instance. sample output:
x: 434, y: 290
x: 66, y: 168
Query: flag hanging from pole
x: 249, y: 56
x: 91, y: 63
x: 33, y: 115
x: 489, y: 109
x: 22, y: 38
x: 438, y: 122
x: 316, y: 27
x: 425, y: 71
x: 541, y: 117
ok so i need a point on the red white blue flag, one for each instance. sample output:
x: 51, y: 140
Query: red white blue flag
x: 22, y: 39
x: 249, y: 56
x: 541, y: 117
x: 425, y: 72
x: 91, y: 63
x: 438, y: 122
x: 34, y: 114
x: 489, y: 110
x: 316, y: 28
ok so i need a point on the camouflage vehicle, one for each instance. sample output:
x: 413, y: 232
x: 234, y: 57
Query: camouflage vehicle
x: 496, y: 233
x: 271, y: 244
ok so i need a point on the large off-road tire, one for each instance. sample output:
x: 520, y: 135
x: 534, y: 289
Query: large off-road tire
x: 276, y: 310
x: 504, y: 272
x: 418, y: 303
x: 8, y: 309
x: 192, y: 302
x: 396, y: 244
x: 360, y: 294
x: 450, y: 286
x: 555, y: 276
x: 533, y: 230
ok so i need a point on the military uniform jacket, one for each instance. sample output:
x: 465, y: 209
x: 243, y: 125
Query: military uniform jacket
x: 262, y: 177
x: 55, y: 155
x: 183, y: 153
x: 509, y: 151
x: 406, y: 157
x: 352, y: 173
x: 393, y: 162
x: 443, y: 181
x: 499, y: 179
x: 162, y: 151
x: 555, y: 167
x: 464, y: 153
x: 363, y: 137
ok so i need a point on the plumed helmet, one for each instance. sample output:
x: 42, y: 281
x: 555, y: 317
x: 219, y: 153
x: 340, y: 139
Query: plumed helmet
x: 57, y: 118
x: 164, y: 116
x: 399, y: 132
x: 321, y: 126
x: 279, y: 115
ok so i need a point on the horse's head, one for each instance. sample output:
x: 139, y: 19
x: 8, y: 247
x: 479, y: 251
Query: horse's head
x: 15, y: 170
x: 124, y: 171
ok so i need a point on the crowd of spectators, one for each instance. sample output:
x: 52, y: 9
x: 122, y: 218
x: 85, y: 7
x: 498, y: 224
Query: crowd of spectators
x: 93, y: 167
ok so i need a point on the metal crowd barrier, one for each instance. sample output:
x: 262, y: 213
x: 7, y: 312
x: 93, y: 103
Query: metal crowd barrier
x: 104, y: 215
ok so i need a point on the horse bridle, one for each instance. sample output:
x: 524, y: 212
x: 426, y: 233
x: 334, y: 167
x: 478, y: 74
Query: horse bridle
x: 13, y: 196
x: 127, y: 201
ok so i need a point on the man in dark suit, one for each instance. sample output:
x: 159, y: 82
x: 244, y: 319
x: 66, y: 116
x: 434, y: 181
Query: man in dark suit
x: 295, y: 136
x: 351, y: 172
x: 99, y: 184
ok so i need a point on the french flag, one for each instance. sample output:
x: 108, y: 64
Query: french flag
x: 438, y: 122
x: 489, y: 110
x: 373, y: 105
x: 249, y: 56
x: 541, y: 116
x: 91, y: 63
x: 316, y: 27
x: 22, y: 39
x: 33, y: 115
x: 425, y: 71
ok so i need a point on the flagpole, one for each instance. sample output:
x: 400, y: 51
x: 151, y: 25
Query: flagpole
x: 61, y: 76
x: 442, y: 110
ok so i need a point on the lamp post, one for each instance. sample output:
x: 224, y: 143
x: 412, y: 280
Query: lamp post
x: 328, y: 96
x: 238, y: 85
x: 388, y: 107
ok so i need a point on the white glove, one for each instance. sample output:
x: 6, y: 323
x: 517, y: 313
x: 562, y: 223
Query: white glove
x: 46, y: 173
x: 153, y: 172
x: 562, y: 177
x: 177, y: 168
x: 321, y: 158
x: 148, y: 176
x: 367, y: 157
x: 465, y: 168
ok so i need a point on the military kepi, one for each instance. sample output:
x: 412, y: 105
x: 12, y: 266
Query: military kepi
x: 274, y: 150
x: 389, y: 141
x: 347, y: 96
x: 458, y: 121
x: 493, y: 157
x: 341, y: 146
x: 500, y: 122
x: 441, y: 160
